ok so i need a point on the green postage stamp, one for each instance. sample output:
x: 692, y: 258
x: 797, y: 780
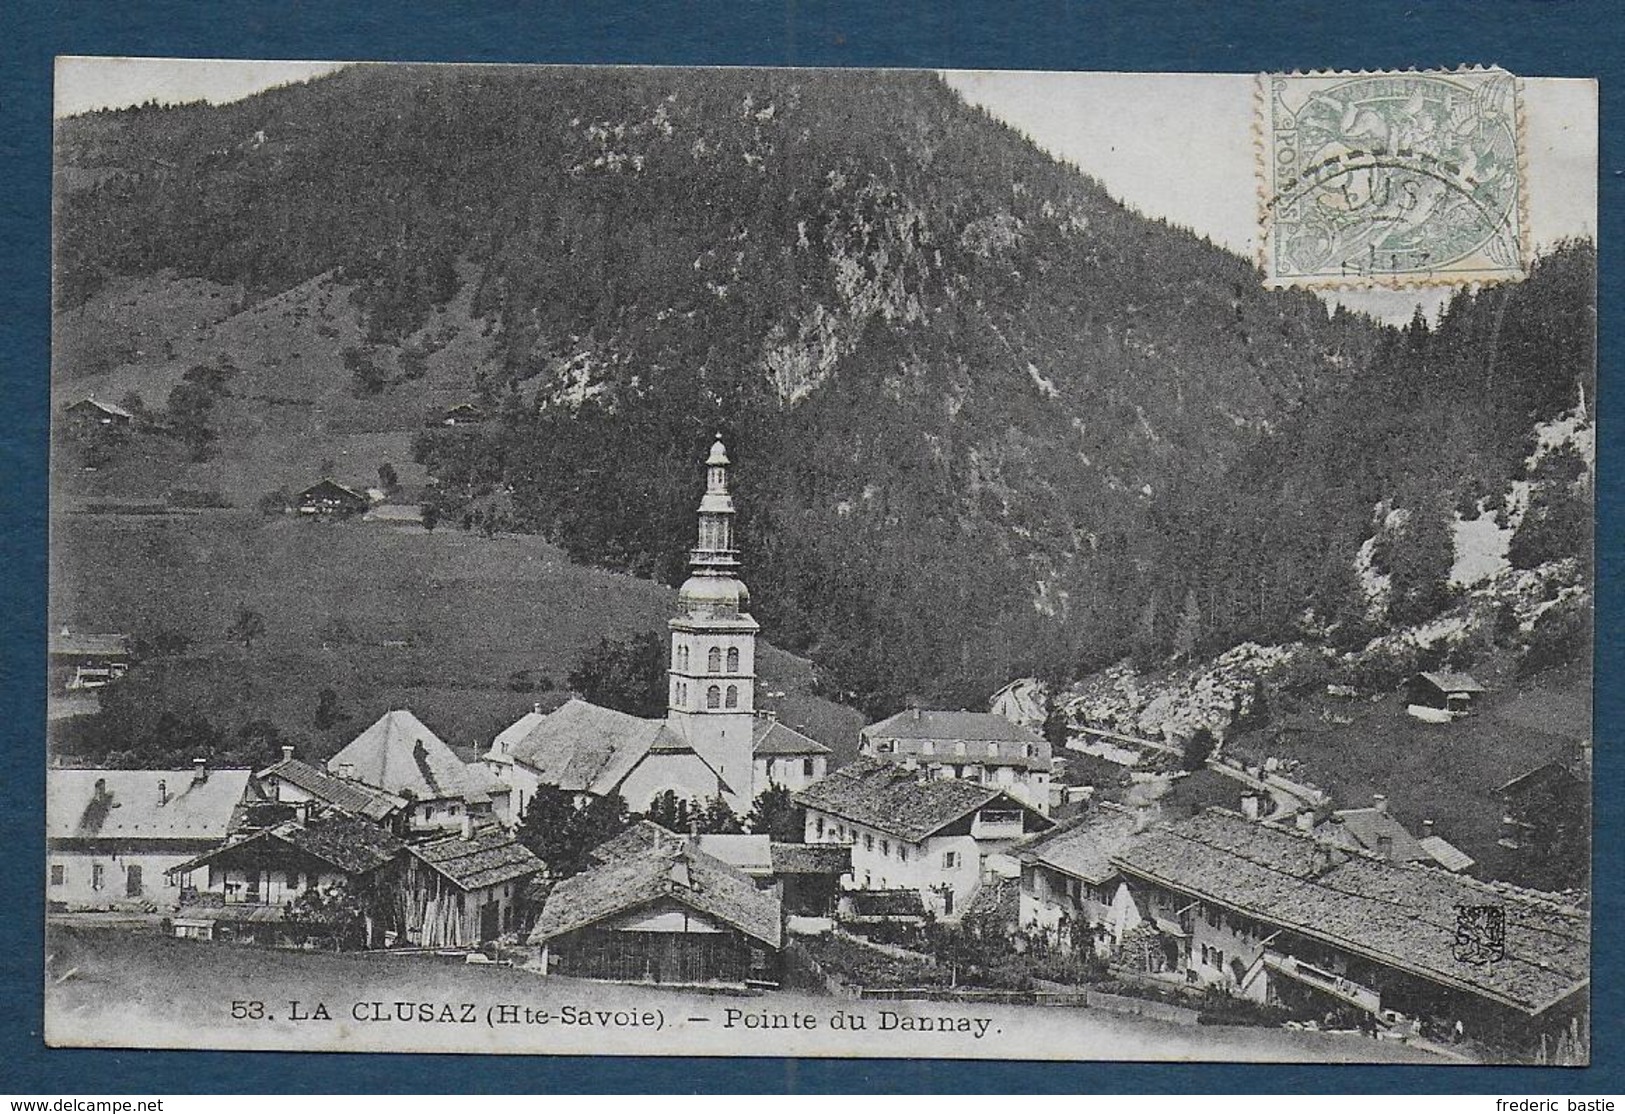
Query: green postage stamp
x: 1391, y: 179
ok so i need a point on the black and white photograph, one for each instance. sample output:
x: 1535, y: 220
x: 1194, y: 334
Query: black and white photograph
x: 662, y: 561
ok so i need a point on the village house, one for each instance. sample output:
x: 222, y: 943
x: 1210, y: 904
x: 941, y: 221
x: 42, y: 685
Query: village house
x: 662, y: 912
x: 785, y: 757
x: 1072, y: 894
x: 246, y: 888
x: 908, y: 829
x: 113, y: 835
x: 330, y: 499
x: 1375, y: 829
x: 462, y: 890
x: 296, y: 782
x: 1274, y: 914
x: 402, y: 757
x: 87, y: 661
x: 1372, y: 829
x: 971, y: 746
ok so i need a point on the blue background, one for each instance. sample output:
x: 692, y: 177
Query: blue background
x: 1563, y: 39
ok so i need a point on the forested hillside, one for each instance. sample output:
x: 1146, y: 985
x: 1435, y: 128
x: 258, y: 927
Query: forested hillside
x: 987, y: 421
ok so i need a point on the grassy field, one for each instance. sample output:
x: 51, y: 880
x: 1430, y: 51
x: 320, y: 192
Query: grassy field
x: 1445, y: 772
x: 387, y: 616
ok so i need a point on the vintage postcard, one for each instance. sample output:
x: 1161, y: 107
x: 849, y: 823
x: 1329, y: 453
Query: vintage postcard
x: 768, y: 562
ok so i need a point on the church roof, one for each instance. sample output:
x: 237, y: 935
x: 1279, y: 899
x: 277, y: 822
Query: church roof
x: 770, y: 737
x: 585, y: 748
x: 398, y: 754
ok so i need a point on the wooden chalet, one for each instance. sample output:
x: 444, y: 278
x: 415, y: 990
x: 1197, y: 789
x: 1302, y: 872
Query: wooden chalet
x: 1455, y: 693
x: 246, y: 888
x: 88, y: 661
x: 92, y: 414
x: 461, y: 890
x: 330, y: 499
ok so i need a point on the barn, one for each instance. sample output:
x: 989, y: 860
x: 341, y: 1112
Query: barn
x: 462, y: 890
x: 670, y: 914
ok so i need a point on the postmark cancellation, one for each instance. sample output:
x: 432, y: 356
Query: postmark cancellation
x: 1399, y: 179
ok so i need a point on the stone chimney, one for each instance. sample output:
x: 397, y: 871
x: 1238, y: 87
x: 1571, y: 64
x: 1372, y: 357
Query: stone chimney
x: 1249, y: 805
x: 163, y: 792
x: 1427, y: 828
x: 916, y: 711
x: 1379, y: 801
x: 537, y: 707
x: 468, y: 824
x: 1306, y: 819
x: 287, y: 752
x: 200, y: 770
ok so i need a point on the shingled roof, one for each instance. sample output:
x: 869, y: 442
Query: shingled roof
x: 194, y: 805
x: 353, y: 845
x: 351, y: 796
x: 490, y: 857
x: 641, y: 837
x: 906, y: 803
x: 1402, y: 916
x: 398, y: 754
x: 677, y: 873
x: 1082, y: 847
x: 583, y: 747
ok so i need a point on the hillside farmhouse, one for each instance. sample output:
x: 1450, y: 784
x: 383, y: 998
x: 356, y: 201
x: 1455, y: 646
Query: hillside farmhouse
x: 330, y: 499
x: 88, y: 414
x: 88, y: 661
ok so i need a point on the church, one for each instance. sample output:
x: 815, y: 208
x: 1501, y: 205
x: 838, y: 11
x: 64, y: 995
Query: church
x: 713, y: 742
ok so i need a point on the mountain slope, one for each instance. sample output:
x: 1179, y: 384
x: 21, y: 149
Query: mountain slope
x: 987, y: 420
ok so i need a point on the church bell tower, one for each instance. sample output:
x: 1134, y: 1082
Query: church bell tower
x: 711, y: 698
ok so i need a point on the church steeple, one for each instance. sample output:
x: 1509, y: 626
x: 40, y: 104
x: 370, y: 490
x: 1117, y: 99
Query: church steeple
x: 715, y: 550
x: 712, y: 693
